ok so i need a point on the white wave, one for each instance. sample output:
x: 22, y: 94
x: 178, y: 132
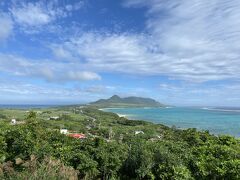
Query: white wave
x: 223, y: 110
x: 121, y: 115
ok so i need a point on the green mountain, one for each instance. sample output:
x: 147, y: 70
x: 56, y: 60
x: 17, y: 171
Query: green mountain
x: 116, y: 101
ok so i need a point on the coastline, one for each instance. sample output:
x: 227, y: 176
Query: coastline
x: 120, y: 115
x: 185, y: 118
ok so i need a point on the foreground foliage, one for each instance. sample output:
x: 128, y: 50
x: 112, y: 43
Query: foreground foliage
x: 35, y: 150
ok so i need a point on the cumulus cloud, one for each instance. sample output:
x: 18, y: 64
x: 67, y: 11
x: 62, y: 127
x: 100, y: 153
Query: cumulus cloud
x: 6, y: 26
x: 187, y: 40
x: 32, y: 16
x: 143, y: 54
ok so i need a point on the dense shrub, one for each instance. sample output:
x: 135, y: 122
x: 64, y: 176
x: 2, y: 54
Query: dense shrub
x: 176, y: 154
x: 2, y: 116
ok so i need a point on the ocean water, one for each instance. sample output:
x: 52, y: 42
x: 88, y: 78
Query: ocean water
x: 216, y: 120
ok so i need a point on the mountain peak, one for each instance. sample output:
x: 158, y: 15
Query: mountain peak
x: 116, y: 101
x: 115, y: 97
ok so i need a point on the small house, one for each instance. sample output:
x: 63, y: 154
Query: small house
x: 13, y: 121
x: 139, y: 132
x: 63, y: 131
x: 77, y: 136
x: 54, y: 118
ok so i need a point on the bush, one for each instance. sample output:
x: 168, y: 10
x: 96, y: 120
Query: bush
x: 176, y: 154
x: 47, y: 169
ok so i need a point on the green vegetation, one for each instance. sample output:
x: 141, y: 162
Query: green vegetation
x: 35, y: 149
x: 116, y: 101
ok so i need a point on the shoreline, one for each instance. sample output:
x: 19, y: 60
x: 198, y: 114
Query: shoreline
x: 216, y: 131
x: 120, y: 115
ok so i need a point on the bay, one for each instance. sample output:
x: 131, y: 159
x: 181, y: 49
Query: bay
x: 215, y: 120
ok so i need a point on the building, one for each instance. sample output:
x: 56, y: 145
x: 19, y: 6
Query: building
x: 139, y: 132
x: 63, y: 131
x: 54, y: 118
x: 13, y: 121
x: 156, y: 138
x: 77, y: 136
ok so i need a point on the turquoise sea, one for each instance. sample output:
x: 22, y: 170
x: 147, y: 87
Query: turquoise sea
x: 216, y: 120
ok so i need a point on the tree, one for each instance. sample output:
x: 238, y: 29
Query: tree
x: 139, y: 162
x: 31, y: 115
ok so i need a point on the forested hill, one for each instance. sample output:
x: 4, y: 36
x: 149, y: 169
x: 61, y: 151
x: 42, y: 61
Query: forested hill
x: 116, y: 101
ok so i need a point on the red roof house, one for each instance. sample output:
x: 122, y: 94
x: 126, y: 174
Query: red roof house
x: 77, y: 136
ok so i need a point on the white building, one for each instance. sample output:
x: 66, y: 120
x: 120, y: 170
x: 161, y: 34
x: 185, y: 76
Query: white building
x: 63, y: 131
x: 54, y: 118
x: 13, y: 121
x: 139, y: 132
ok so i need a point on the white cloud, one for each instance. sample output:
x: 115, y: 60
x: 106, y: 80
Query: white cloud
x: 45, y: 69
x: 143, y: 54
x: 15, y: 92
x: 69, y: 7
x: 220, y: 94
x: 96, y: 89
x: 32, y: 14
x: 60, y: 52
x: 83, y: 75
x: 31, y: 17
x: 187, y: 40
x: 6, y: 27
x: 24, y: 93
x: 75, y: 6
x: 200, y: 38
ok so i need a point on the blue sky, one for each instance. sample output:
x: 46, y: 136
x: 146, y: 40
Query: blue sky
x: 73, y: 51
